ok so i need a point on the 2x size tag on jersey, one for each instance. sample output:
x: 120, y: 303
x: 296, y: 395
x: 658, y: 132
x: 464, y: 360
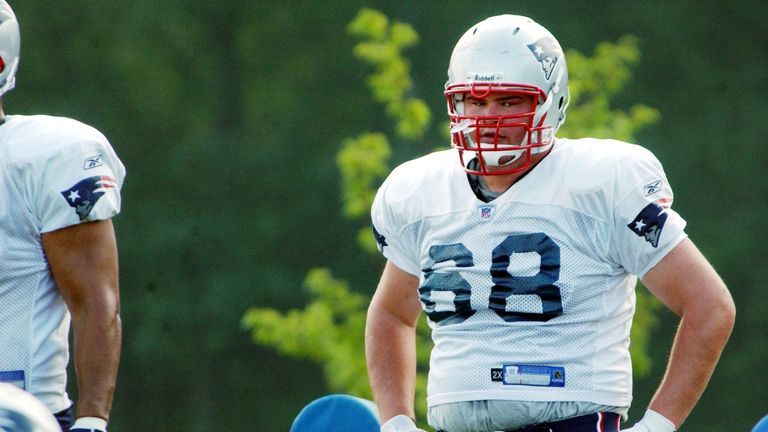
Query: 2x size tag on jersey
x: 530, y: 375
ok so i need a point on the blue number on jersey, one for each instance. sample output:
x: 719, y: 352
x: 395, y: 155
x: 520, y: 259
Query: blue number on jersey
x: 505, y: 285
x: 542, y: 284
x: 453, y: 282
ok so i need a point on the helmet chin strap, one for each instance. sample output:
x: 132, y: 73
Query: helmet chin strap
x: 490, y: 157
x: 10, y: 81
x: 494, y: 157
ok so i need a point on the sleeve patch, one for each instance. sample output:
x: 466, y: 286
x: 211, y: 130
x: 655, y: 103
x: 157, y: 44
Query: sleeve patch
x: 649, y: 223
x: 380, y: 240
x: 83, y: 195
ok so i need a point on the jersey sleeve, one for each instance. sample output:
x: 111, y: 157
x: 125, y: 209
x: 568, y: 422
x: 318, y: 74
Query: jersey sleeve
x: 76, y: 182
x: 390, y: 228
x: 646, y: 228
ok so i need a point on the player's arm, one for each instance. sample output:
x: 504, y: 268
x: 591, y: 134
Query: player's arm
x: 390, y: 342
x: 83, y: 260
x: 688, y: 285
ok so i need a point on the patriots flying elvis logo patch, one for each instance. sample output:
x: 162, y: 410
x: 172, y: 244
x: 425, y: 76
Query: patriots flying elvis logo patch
x: 83, y: 195
x: 380, y: 240
x: 649, y: 223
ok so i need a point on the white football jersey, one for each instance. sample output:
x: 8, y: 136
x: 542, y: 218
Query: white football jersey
x: 54, y: 173
x: 530, y: 297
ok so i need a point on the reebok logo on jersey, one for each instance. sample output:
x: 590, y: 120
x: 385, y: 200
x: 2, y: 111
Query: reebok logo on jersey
x: 652, y: 188
x: 649, y: 223
x: 93, y: 162
x: 83, y: 195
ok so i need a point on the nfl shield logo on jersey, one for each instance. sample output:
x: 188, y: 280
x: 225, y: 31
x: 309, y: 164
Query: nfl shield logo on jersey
x: 486, y: 212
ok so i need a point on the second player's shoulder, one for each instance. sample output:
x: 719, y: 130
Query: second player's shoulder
x: 34, y: 136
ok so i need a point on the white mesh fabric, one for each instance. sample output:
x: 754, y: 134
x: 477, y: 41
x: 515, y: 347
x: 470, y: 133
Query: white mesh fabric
x: 20, y: 267
x: 466, y: 352
x: 557, y: 243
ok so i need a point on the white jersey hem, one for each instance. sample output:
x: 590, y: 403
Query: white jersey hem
x: 617, y: 399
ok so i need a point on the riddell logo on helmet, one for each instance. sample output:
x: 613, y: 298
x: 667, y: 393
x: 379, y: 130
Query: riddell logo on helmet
x: 485, y: 77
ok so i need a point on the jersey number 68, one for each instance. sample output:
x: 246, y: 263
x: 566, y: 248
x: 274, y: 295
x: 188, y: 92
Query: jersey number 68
x: 505, y: 284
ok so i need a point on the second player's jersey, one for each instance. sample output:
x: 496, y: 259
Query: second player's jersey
x: 531, y: 296
x: 54, y: 173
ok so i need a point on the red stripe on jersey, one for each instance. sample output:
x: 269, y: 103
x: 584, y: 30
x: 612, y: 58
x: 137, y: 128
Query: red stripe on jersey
x: 664, y: 202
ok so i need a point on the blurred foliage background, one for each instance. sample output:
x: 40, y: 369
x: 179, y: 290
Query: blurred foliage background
x: 229, y: 116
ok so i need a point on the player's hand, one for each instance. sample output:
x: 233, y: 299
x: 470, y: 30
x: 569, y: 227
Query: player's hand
x: 89, y: 424
x: 400, y: 423
x: 652, y: 422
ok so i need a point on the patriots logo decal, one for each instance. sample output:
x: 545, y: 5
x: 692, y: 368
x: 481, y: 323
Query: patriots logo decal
x: 380, y: 240
x: 649, y: 223
x: 83, y: 195
x: 548, y: 53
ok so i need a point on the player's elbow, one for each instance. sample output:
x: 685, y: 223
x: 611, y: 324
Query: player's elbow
x: 719, y: 317
x: 382, y: 324
x: 101, y: 306
x: 726, y: 311
x: 378, y: 320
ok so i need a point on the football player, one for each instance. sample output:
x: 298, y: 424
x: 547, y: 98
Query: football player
x: 59, y: 188
x: 523, y: 250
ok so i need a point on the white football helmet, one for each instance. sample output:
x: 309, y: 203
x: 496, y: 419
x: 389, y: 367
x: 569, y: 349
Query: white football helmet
x: 10, y: 43
x: 506, y: 54
x: 22, y: 412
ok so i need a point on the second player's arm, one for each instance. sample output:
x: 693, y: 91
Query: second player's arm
x: 390, y: 342
x: 83, y: 260
x: 686, y: 283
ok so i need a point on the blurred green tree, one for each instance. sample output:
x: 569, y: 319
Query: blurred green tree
x: 330, y: 329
